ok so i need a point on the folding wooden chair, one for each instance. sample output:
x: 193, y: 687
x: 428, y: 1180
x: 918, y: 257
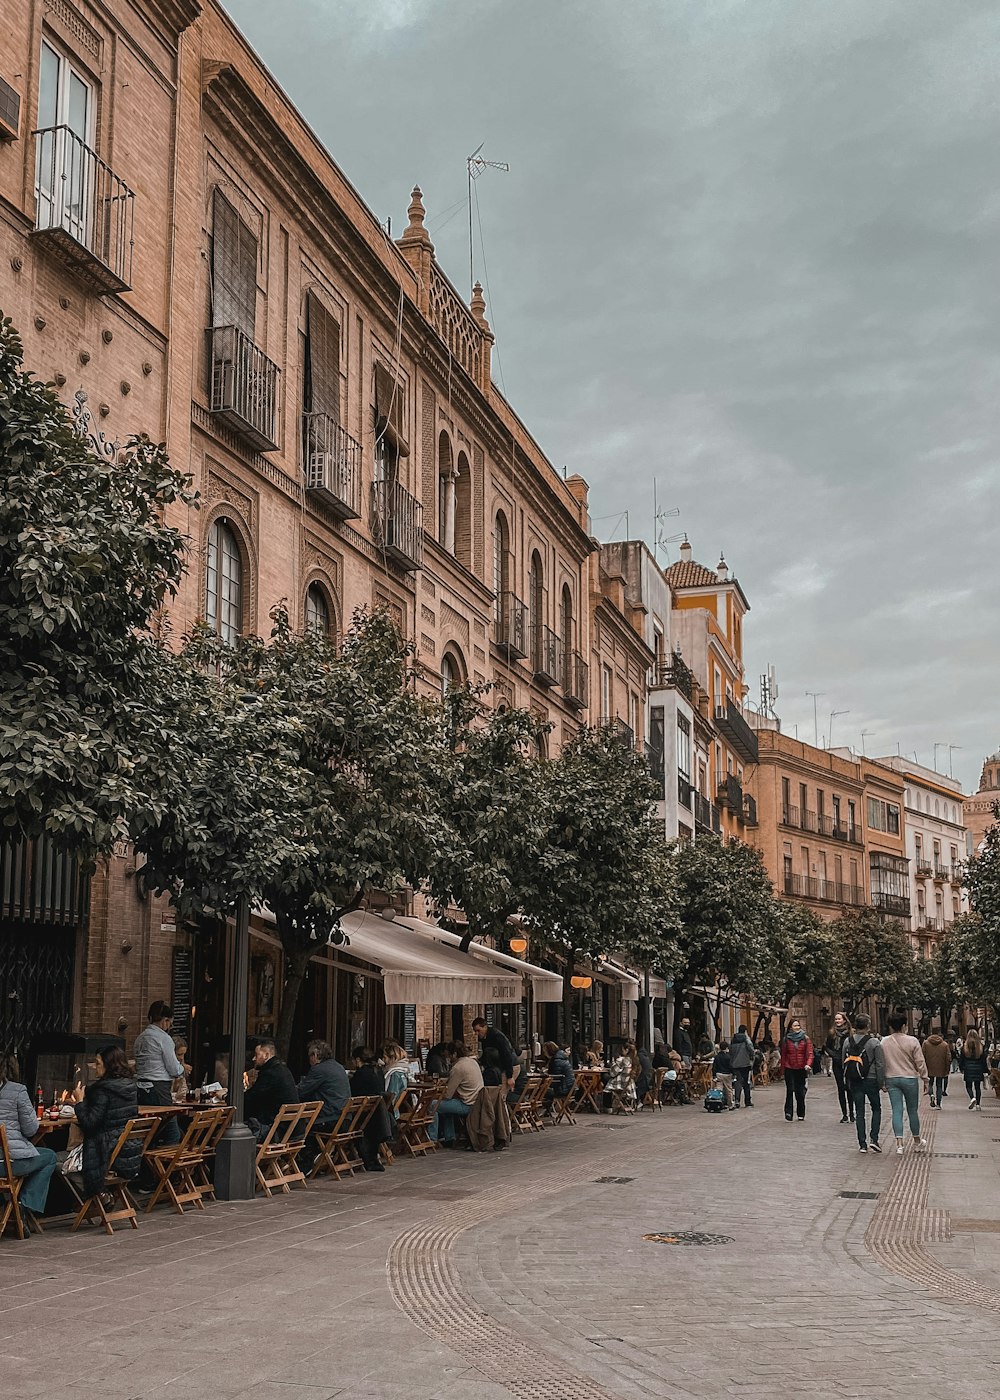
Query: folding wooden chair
x: 562, y: 1107
x: 589, y: 1086
x: 10, y: 1187
x: 653, y: 1096
x: 338, y: 1146
x: 137, y: 1133
x: 277, y: 1165
x: 175, y: 1166
x: 622, y: 1101
x: 205, y: 1184
x: 416, y: 1114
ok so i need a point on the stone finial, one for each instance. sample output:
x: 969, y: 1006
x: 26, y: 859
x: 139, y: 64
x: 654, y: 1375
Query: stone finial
x: 415, y: 231
x: 722, y: 569
x: 478, y: 308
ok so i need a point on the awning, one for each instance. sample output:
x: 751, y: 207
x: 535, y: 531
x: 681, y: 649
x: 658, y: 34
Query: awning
x: 545, y: 985
x: 418, y: 970
x: 612, y: 972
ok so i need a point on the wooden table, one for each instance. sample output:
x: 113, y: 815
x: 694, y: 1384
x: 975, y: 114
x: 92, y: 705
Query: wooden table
x: 174, y: 1110
x: 589, y: 1083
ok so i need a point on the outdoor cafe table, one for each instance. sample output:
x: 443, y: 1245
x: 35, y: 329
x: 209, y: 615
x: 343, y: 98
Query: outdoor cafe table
x: 589, y: 1083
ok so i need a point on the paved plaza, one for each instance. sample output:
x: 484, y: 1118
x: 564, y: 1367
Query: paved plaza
x: 522, y: 1274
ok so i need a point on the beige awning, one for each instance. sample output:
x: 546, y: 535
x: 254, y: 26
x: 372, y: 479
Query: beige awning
x: 626, y: 980
x: 422, y: 971
x: 545, y: 985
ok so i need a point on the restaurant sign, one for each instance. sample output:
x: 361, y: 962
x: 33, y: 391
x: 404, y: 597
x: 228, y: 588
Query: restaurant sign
x: 504, y: 991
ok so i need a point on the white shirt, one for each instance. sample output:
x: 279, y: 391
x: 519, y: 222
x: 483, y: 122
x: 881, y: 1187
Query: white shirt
x: 155, y: 1057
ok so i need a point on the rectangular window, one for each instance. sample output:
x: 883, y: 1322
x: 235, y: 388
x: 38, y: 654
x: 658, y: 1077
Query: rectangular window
x: 883, y: 816
x: 803, y: 801
x: 606, y: 680
x: 852, y: 819
x: 892, y: 818
x: 234, y: 269
x: 63, y: 174
x: 683, y: 746
x: 657, y: 735
x: 633, y: 715
x: 322, y: 366
x: 786, y: 799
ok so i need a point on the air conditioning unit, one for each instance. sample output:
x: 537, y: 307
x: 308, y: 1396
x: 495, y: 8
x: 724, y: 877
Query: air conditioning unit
x: 10, y: 112
x: 320, y: 470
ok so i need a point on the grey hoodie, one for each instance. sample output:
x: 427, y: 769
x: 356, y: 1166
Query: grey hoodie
x: 741, y: 1051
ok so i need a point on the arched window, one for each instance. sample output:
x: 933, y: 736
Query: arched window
x: 463, y: 512
x: 536, y: 606
x: 317, y: 611
x: 224, y: 582
x: 451, y: 673
x: 446, y: 486
x: 566, y: 626
x: 501, y: 556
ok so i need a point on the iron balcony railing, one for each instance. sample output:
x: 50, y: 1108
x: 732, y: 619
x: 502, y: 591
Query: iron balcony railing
x: 820, y: 823
x: 895, y: 904
x: 825, y: 891
x: 510, y: 623
x: 924, y: 867
x: 685, y: 791
x: 397, y: 524
x: 928, y: 921
x: 749, y: 810
x: 332, y: 461
x: 617, y: 729
x: 735, y: 730
x: 942, y: 871
x: 676, y: 673
x: 546, y: 655
x: 730, y: 795
x: 707, y: 815
x: 575, y: 679
x: 40, y: 884
x: 83, y: 210
x: 244, y: 387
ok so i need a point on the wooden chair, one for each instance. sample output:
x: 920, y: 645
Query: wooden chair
x: 526, y: 1113
x: 137, y: 1133
x: 589, y: 1086
x: 205, y: 1184
x: 277, y: 1165
x: 652, y: 1099
x: 176, y: 1166
x: 338, y: 1146
x: 10, y: 1187
x: 416, y: 1114
x: 621, y: 1100
x: 562, y: 1108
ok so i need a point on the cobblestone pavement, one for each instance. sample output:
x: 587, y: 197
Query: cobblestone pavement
x: 520, y: 1274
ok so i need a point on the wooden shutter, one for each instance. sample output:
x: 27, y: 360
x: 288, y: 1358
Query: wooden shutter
x: 384, y: 397
x: 234, y: 269
x: 322, y: 360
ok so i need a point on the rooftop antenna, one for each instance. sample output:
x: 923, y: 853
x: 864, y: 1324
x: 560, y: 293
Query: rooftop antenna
x: 816, y: 696
x: 659, y: 516
x: 476, y: 164
x: 951, y: 750
x: 864, y: 735
x: 834, y: 714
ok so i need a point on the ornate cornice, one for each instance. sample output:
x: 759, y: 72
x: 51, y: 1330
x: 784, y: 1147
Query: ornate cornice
x: 171, y: 17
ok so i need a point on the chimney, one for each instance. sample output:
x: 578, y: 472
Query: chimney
x: 722, y: 569
x: 685, y: 551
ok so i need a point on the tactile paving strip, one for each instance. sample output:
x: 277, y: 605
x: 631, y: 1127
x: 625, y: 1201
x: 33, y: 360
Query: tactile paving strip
x: 901, y: 1225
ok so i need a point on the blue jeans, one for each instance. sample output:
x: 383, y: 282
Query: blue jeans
x: 866, y: 1093
x: 38, y: 1170
x: 444, y: 1120
x: 904, y: 1093
x: 939, y: 1087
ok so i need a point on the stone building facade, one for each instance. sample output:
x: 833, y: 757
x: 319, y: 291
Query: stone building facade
x: 979, y: 805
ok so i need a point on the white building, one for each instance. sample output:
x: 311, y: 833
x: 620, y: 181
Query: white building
x: 937, y: 845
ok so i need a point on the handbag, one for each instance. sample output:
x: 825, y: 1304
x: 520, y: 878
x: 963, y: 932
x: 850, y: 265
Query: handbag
x: 72, y: 1163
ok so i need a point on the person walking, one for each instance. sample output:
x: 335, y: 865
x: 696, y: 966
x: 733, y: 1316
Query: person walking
x: 841, y: 1030
x: 796, y: 1057
x: 905, y: 1069
x: 937, y: 1057
x: 741, y: 1057
x: 972, y: 1063
x: 864, y: 1079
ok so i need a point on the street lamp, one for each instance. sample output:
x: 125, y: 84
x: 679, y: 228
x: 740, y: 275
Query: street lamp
x: 234, y: 1157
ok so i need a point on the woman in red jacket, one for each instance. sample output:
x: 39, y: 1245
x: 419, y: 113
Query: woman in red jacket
x: 796, y: 1058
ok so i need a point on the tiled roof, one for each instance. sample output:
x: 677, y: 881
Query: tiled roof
x: 687, y: 574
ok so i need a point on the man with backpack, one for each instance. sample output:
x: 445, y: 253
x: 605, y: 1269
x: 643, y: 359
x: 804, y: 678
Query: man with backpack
x: 741, y: 1057
x: 864, y: 1079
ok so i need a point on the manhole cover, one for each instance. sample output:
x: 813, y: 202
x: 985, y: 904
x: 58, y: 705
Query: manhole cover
x: 963, y: 1156
x: 859, y: 1195
x: 689, y: 1237
x: 613, y: 1180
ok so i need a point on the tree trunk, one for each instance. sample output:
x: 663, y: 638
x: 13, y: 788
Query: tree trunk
x: 298, y: 956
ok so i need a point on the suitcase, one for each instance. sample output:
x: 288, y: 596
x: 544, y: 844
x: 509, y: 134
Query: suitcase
x: 715, y: 1101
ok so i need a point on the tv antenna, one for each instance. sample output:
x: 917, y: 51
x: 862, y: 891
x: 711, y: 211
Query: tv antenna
x: 768, y: 692
x: 476, y: 164
x: 661, y: 514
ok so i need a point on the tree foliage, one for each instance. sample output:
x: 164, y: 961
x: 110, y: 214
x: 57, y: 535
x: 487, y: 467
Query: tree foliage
x: 86, y: 562
x: 876, y: 957
x: 804, y: 955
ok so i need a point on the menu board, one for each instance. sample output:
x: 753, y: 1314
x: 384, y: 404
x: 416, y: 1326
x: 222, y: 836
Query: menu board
x: 180, y: 990
x: 410, y: 1028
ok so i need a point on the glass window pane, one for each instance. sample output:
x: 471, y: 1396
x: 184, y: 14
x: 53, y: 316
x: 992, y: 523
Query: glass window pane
x: 317, y: 612
x: 78, y: 102
x: 48, y: 87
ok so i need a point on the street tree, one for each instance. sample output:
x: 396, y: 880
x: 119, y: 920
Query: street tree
x: 876, y: 957
x: 727, y: 920
x: 803, y: 956
x: 974, y: 958
x: 87, y: 561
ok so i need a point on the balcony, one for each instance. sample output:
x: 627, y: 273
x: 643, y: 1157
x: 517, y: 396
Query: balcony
x: 510, y: 626
x: 707, y: 817
x: 676, y: 673
x: 396, y: 522
x: 924, y: 867
x: 332, y: 465
x: 41, y: 884
x: 941, y: 871
x: 685, y: 792
x: 736, y: 732
x: 842, y: 831
x: 84, y: 211
x: 820, y: 823
x: 749, y: 810
x: 617, y: 730
x: 244, y: 387
x: 546, y: 655
x: 928, y: 921
x: 730, y: 796
x: 895, y: 904
x: 575, y: 680
x: 824, y: 891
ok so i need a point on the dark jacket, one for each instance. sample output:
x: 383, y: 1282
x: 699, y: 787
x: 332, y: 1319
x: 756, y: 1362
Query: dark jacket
x: 367, y: 1080
x: 741, y: 1051
x: 645, y: 1081
x: 561, y: 1070
x: 870, y: 1048
x: 973, y: 1067
x: 437, y: 1061
x: 497, y: 1056
x: 272, y: 1089
x: 682, y: 1043
x: 328, y: 1081
x: 661, y: 1060
x: 723, y: 1063
x: 106, y: 1107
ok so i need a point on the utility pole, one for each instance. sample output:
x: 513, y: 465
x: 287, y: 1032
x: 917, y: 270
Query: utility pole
x: 817, y: 695
x: 475, y: 165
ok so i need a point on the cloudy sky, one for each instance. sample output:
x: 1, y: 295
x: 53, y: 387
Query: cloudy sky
x: 747, y: 248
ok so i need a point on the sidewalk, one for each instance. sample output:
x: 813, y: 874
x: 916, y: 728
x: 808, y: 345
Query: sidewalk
x: 480, y: 1277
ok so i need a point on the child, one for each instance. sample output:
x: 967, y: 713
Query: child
x: 722, y: 1073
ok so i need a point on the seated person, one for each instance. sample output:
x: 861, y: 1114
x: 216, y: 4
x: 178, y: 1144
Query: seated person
x: 102, y: 1111
x: 464, y: 1084
x: 439, y: 1059
x: 368, y: 1081
x: 662, y: 1057
x: 271, y: 1088
x: 395, y: 1068
x: 326, y: 1080
x: 19, y: 1118
x: 561, y: 1069
x: 522, y: 1068
x: 621, y: 1079
x: 644, y: 1079
x: 594, y: 1058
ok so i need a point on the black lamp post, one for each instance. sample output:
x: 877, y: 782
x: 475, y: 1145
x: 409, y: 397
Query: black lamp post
x: 234, y: 1158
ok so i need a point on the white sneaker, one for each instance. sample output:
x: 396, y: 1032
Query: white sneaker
x: 899, y: 1149
x: 919, y: 1142
x: 971, y: 1107
x: 979, y: 1108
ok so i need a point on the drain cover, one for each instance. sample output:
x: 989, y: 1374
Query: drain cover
x: 688, y: 1237
x: 613, y: 1180
x: 859, y: 1195
x: 963, y: 1156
